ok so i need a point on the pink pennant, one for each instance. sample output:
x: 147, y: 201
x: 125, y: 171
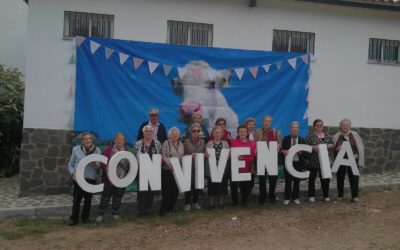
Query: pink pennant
x: 239, y: 73
x: 70, y: 91
x: 305, y: 58
x: 79, y: 40
x: 308, y: 99
x: 153, y: 66
x: 293, y: 62
x: 181, y: 72
x: 254, y: 71
x: 196, y: 73
x: 137, y: 62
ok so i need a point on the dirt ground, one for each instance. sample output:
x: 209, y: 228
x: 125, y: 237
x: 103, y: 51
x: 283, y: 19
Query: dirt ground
x: 373, y: 223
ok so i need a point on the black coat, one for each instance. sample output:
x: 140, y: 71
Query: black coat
x: 287, y: 144
x: 161, y: 133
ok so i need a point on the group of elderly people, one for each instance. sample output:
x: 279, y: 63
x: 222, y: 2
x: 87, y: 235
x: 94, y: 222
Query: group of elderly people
x: 153, y: 138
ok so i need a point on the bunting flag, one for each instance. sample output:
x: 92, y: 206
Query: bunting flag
x: 293, y: 62
x: 211, y: 73
x: 72, y: 59
x: 307, y: 85
x: 108, y: 52
x: 181, y: 72
x: 123, y: 57
x: 239, y: 73
x: 226, y: 74
x: 254, y: 71
x: 94, y: 46
x: 167, y: 69
x: 278, y: 65
x: 137, y: 62
x: 70, y: 106
x: 308, y: 98
x: 70, y: 92
x: 196, y: 73
x: 266, y: 67
x: 79, y: 40
x: 305, y: 116
x: 152, y: 66
x: 304, y: 58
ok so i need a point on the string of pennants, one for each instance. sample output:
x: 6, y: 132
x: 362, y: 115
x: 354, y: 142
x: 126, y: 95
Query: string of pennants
x: 196, y: 72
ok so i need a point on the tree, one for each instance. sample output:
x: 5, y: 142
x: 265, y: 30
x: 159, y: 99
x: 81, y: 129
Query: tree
x: 11, y: 118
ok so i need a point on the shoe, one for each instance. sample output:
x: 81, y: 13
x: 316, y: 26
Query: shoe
x: 116, y: 217
x: 196, y: 206
x: 296, y: 201
x: 99, y: 219
x: 286, y: 202
x: 327, y: 199
x: 187, y: 207
x: 72, y: 223
x: 356, y: 199
x: 311, y: 199
x: 339, y: 198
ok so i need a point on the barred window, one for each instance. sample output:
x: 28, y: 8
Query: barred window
x: 293, y: 41
x: 187, y: 33
x: 385, y: 51
x: 88, y: 24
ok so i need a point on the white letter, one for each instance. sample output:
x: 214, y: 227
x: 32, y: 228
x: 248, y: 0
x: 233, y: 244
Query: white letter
x: 217, y: 172
x: 351, y: 161
x: 149, y: 172
x: 267, y: 158
x: 289, y: 161
x: 112, y: 169
x: 80, y: 172
x: 183, y: 177
x: 236, y: 164
x: 199, y: 171
x: 324, y: 161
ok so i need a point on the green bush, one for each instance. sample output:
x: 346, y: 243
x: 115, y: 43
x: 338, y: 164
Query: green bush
x: 11, y: 118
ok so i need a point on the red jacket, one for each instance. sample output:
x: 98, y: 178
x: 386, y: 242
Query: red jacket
x: 236, y: 143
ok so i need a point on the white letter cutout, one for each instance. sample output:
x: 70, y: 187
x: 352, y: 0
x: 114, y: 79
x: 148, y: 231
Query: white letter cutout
x: 267, y: 158
x: 150, y: 172
x: 80, y: 173
x: 183, y: 177
x: 112, y: 169
x: 351, y: 161
x: 289, y: 161
x: 236, y: 164
x: 217, y: 172
x: 199, y: 171
x: 326, y: 172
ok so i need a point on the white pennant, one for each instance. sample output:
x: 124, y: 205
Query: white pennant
x: 79, y: 40
x: 123, y: 57
x: 308, y: 85
x: 152, y: 66
x: 305, y: 58
x: 181, y: 72
x: 305, y: 116
x: 266, y: 67
x: 94, y: 46
x: 108, y: 52
x: 293, y: 62
x: 211, y: 73
x: 226, y: 73
x: 239, y: 73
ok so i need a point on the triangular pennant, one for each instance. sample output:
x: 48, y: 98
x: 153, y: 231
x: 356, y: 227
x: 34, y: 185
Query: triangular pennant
x: 167, y: 69
x: 72, y: 59
x: 123, y: 57
x: 307, y: 85
x: 181, y: 72
x: 293, y: 62
x: 79, y: 40
x: 266, y: 67
x: 305, y: 116
x: 305, y: 58
x: 211, y: 73
x: 308, y: 98
x: 70, y: 106
x: 94, y: 46
x: 313, y: 58
x: 196, y: 72
x: 278, y: 65
x: 226, y: 73
x: 70, y: 91
x: 137, y: 62
x: 239, y: 72
x: 108, y: 52
x: 254, y: 71
x: 152, y: 66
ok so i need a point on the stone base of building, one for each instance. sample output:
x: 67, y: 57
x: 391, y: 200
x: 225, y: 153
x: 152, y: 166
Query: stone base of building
x: 45, y: 154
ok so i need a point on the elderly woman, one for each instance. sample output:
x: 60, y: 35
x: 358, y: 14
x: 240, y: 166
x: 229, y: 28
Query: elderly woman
x: 149, y: 146
x: 78, y: 153
x: 226, y: 135
x: 245, y: 186
x: 314, y: 139
x: 193, y: 146
x: 356, y: 143
x: 196, y: 119
x: 217, y: 191
x: 170, y: 148
x: 251, y: 124
x: 111, y: 191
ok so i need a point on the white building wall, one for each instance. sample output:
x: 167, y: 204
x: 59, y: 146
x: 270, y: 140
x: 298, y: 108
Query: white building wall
x: 13, y: 31
x: 343, y: 83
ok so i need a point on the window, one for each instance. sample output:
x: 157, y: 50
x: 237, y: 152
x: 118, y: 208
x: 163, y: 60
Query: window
x: 186, y: 33
x: 88, y: 24
x: 383, y: 51
x: 293, y: 41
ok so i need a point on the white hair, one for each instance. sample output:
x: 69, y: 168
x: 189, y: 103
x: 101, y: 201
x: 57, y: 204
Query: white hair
x: 343, y: 121
x: 147, y: 127
x: 173, y: 129
x: 294, y: 123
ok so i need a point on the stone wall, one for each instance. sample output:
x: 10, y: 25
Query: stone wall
x: 43, y: 164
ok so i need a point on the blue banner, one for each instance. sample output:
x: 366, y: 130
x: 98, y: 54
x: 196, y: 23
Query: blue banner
x: 118, y: 82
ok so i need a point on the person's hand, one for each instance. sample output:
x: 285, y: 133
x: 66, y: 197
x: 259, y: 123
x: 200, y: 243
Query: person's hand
x: 356, y: 156
x: 285, y: 152
x: 338, y: 148
x: 193, y: 155
x: 315, y: 149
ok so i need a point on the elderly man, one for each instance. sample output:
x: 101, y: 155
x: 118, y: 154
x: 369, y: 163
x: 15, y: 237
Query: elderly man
x: 159, y: 131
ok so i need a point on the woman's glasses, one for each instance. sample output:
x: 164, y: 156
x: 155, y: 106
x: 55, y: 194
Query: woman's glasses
x: 195, y: 131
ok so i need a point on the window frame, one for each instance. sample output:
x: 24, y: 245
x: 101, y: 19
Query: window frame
x: 186, y: 31
x: 381, y: 56
x: 289, y: 35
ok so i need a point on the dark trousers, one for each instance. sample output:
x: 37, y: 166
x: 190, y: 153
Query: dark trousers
x: 311, y: 183
x: 144, y: 202
x: 290, y: 182
x: 262, y: 184
x: 192, y: 195
x: 79, y: 193
x: 245, y: 188
x: 170, y: 191
x: 111, y: 191
x: 353, y: 179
